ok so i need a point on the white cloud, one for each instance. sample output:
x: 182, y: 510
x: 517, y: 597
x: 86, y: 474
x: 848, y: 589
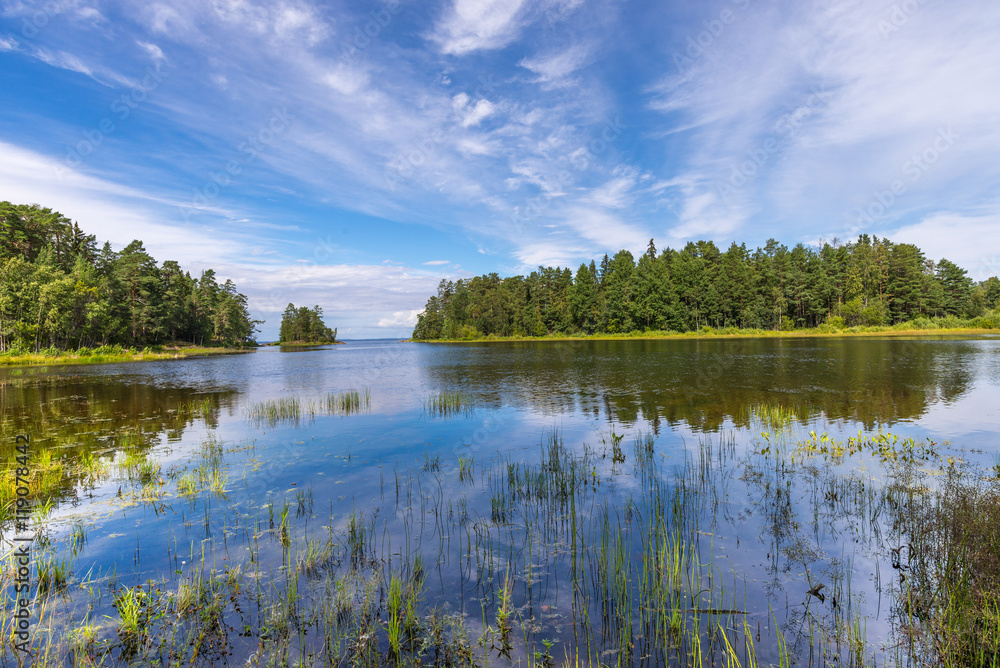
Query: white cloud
x: 607, y: 231
x: 401, y: 319
x: 436, y: 262
x: 111, y: 211
x: 882, y: 96
x: 344, y: 79
x: 68, y: 61
x: 616, y: 193
x: 558, y: 253
x: 155, y: 52
x: 473, y: 25
x: 8, y: 44
x: 63, y: 60
x: 947, y: 235
x: 364, y: 298
x: 477, y: 112
x: 164, y: 19
x: 555, y: 66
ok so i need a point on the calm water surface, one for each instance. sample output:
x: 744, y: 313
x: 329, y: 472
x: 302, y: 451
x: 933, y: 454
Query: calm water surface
x: 765, y: 531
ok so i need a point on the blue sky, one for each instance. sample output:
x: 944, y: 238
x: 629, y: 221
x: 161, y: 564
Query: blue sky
x: 352, y: 154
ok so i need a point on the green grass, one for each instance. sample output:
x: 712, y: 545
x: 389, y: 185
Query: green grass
x: 303, y: 344
x: 928, y: 328
x: 952, y: 597
x: 109, y: 354
x: 447, y: 403
x: 53, y: 573
x: 290, y: 410
x: 46, y: 477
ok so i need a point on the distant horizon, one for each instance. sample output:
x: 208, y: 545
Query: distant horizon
x: 353, y: 156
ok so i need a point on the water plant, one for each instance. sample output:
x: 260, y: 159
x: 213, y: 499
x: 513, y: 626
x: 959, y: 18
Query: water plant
x: 448, y: 403
x: 290, y: 410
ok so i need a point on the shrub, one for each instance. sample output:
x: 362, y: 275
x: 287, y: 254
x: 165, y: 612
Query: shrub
x: 468, y: 332
x: 951, y: 322
x: 835, y: 321
x: 989, y: 320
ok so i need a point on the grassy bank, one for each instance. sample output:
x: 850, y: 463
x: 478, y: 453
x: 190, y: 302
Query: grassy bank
x: 106, y: 354
x: 824, y: 331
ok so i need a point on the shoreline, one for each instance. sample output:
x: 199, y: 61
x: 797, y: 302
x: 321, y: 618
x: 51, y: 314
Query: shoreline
x: 301, y: 344
x: 886, y: 332
x: 39, y: 359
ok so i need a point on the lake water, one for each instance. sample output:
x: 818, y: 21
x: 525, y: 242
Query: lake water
x: 527, y: 498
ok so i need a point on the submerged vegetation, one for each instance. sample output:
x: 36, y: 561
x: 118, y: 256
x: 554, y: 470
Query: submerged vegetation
x: 870, y: 283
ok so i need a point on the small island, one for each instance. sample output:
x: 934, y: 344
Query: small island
x: 304, y: 326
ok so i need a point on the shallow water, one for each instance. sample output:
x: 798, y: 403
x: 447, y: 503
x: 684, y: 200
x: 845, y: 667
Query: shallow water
x: 765, y: 528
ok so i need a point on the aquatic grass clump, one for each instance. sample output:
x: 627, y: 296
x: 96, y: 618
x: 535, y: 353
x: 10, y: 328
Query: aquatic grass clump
x: 291, y: 410
x: 432, y: 462
x: 951, y: 600
x: 198, y: 408
x: 465, y: 468
x: 448, y: 403
x: 273, y: 412
x: 187, y: 485
x: 93, y: 467
x: 346, y: 403
x: 775, y: 419
x: 45, y: 478
x: 53, y: 573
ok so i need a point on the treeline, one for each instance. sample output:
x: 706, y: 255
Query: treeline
x: 304, y: 324
x: 869, y: 282
x: 58, y: 290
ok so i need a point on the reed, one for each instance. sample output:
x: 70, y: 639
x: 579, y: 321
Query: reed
x: 349, y: 402
x: 273, y: 412
x: 291, y: 410
x: 447, y: 403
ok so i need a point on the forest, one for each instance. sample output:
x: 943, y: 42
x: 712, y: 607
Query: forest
x: 304, y: 325
x: 58, y: 290
x: 868, y: 282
